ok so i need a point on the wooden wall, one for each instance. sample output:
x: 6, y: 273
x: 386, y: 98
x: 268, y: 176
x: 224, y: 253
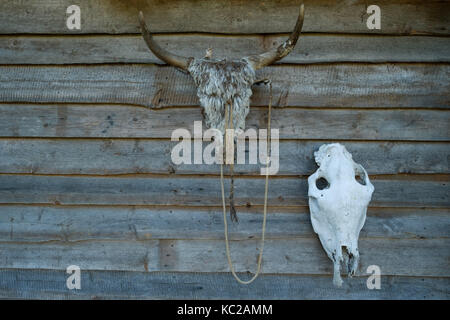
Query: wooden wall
x: 85, y: 170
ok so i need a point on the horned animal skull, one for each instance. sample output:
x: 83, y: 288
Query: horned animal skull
x: 338, y: 207
x: 222, y: 82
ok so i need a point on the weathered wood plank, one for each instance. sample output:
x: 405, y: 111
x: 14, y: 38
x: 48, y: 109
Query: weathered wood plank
x: 239, y: 16
x: 119, y: 121
x: 204, y: 191
x: 66, y: 223
x: 131, y: 156
x: 132, y: 48
x: 51, y: 284
x: 293, y: 256
x: 323, y: 85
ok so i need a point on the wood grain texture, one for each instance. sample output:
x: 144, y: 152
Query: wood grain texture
x: 51, y: 284
x: 284, y: 256
x: 133, y: 156
x: 239, y: 16
x: 120, y: 121
x: 86, y: 176
x: 20, y: 223
x: 328, y: 85
x: 204, y: 191
x: 310, y: 49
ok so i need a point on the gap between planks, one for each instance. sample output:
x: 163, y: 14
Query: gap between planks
x: 394, y: 176
x: 23, y: 104
x: 220, y: 35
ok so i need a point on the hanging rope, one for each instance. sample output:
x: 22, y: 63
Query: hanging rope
x: 229, y: 116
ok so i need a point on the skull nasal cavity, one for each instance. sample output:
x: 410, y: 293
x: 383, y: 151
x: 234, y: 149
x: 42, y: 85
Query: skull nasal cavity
x: 322, y: 183
x: 361, y: 179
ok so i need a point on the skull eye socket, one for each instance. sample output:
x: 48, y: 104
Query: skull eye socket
x: 322, y: 183
x: 360, y: 175
x: 360, y: 178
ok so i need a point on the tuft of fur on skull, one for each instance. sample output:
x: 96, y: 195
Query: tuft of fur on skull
x: 339, y: 194
x: 220, y: 83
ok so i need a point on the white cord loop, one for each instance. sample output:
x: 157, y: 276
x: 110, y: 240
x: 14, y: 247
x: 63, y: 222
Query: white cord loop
x: 229, y: 117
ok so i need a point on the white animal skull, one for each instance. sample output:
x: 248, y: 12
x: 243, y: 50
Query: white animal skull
x: 338, y: 209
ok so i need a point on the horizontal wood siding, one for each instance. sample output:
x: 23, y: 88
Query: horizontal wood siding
x: 50, y: 284
x: 222, y: 16
x: 125, y: 121
x: 328, y: 85
x: 86, y: 177
x: 204, y: 191
x: 283, y: 256
x: 43, y: 223
x: 312, y: 48
x: 130, y: 156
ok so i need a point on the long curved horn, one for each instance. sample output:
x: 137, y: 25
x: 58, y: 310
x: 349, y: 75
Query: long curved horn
x: 164, y: 55
x: 260, y: 60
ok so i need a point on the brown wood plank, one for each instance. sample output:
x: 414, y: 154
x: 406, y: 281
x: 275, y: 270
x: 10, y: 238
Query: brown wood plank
x: 50, y: 284
x: 237, y: 16
x: 119, y: 121
x: 312, y: 48
x: 204, y: 191
x: 324, y: 85
x: 282, y: 256
x: 20, y: 223
x: 133, y: 156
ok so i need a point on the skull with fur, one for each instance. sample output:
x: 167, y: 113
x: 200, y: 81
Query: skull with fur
x: 223, y: 82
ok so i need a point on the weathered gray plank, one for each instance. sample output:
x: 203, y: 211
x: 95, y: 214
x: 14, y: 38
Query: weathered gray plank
x: 313, y: 48
x: 292, y: 256
x: 121, y: 121
x: 66, y: 223
x: 203, y: 191
x: 323, y: 85
x: 51, y: 284
x: 241, y: 16
x: 128, y: 156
